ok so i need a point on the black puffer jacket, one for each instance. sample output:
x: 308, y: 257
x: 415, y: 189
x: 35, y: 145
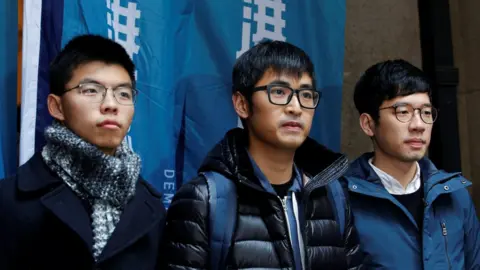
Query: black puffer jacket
x: 261, y: 236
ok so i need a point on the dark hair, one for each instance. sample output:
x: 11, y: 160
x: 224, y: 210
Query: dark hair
x: 279, y: 56
x: 82, y: 50
x: 385, y: 81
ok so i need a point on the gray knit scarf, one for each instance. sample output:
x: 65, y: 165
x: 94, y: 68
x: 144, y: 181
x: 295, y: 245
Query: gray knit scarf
x: 106, y: 182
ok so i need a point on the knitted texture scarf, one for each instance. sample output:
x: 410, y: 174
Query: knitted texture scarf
x: 106, y: 182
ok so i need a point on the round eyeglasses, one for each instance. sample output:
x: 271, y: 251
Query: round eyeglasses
x: 95, y: 92
x: 282, y: 95
x: 405, y: 112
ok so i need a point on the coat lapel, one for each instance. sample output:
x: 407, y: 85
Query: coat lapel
x: 36, y: 177
x: 139, y: 217
x: 64, y: 204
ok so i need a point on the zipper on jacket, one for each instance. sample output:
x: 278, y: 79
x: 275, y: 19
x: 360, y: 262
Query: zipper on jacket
x: 284, y: 206
x: 444, y: 233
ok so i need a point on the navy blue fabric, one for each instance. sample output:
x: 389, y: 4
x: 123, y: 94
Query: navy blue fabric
x: 50, y: 45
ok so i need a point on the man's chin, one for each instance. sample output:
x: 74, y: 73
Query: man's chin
x: 413, y: 158
x: 292, y: 142
x: 110, y: 143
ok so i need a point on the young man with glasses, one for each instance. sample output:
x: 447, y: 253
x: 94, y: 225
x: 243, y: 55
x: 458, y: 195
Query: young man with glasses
x: 409, y: 214
x: 281, y: 209
x: 80, y: 203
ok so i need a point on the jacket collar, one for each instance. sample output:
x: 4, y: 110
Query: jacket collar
x: 296, y: 178
x: 44, y: 177
x: 430, y: 174
x: 230, y: 158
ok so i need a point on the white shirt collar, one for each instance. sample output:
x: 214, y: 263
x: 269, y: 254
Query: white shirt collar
x: 393, y: 186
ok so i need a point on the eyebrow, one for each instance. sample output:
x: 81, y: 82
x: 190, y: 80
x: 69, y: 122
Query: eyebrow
x: 88, y: 80
x: 280, y: 82
x: 284, y: 83
x: 306, y: 85
x: 406, y: 103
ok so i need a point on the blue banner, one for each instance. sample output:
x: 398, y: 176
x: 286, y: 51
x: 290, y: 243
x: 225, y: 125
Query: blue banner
x: 8, y: 87
x: 184, y: 51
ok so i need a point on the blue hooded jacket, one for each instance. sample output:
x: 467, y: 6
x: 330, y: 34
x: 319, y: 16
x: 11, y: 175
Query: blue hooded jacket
x: 389, y: 235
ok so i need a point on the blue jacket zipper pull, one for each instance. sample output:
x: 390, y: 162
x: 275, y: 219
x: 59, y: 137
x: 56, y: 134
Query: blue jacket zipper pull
x: 444, y: 229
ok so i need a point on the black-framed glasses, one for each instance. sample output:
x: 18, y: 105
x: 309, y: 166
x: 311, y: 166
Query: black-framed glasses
x: 282, y: 95
x: 405, y: 112
x: 95, y: 92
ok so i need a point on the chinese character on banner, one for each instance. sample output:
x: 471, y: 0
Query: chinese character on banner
x: 263, y: 18
x: 122, y: 21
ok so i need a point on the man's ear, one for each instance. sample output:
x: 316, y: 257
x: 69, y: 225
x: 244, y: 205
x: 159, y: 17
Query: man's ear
x: 240, y: 104
x: 55, y: 107
x: 367, y: 124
